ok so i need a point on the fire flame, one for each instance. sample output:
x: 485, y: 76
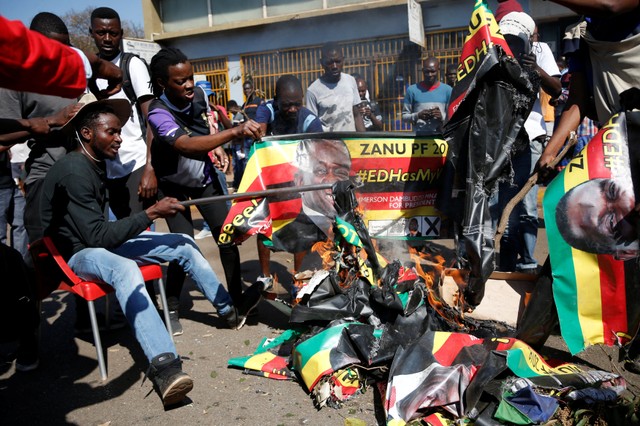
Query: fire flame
x: 461, y: 278
x: 433, y: 278
x: 431, y: 268
x: 327, y: 252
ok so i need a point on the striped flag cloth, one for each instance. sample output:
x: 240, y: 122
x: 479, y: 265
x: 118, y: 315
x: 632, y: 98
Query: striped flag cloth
x: 583, y: 207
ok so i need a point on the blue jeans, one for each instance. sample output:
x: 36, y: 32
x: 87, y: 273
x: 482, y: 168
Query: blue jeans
x: 239, y: 164
x: 12, y: 206
x: 119, y: 268
x: 520, y: 236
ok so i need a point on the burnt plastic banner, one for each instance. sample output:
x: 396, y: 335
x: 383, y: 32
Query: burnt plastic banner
x: 488, y: 108
x: 398, y: 178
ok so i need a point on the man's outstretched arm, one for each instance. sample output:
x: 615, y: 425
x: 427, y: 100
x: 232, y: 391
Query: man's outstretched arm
x: 31, y: 62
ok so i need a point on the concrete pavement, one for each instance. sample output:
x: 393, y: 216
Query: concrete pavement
x: 66, y: 388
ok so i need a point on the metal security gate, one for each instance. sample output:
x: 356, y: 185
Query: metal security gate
x: 389, y: 65
x: 216, y: 71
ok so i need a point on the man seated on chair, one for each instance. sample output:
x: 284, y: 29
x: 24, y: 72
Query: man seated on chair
x: 73, y: 211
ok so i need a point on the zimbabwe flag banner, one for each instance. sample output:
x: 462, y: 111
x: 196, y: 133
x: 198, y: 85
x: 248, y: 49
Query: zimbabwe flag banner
x: 522, y: 360
x: 398, y: 178
x: 324, y: 353
x: 450, y: 371
x: 591, y: 227
x: 270, y: 359
x: 478, y: 53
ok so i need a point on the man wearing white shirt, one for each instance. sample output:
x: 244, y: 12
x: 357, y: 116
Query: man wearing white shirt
x: 131, y: 178
x: 519, y: 240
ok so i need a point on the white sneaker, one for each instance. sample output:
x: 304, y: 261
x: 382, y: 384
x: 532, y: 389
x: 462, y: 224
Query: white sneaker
x: 202, y: 234
x: 267, y: 282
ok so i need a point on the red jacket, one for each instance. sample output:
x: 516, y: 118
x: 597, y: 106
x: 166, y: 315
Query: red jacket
x: 30, y: 62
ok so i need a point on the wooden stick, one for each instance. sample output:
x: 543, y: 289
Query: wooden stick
x: 246, y: 117
x: 497, y: 275
x: 257, y: 194
x: 533, y: 179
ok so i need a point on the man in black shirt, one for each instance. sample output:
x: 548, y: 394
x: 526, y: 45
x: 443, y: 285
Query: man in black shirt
x: 74, y: 215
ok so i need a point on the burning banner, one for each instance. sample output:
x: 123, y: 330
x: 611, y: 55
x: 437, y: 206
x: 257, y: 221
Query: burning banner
x: 489, y: 105
x: 391, y: 328
x: 363, y: 319
x: 399, y: 177
x: 593, y: 241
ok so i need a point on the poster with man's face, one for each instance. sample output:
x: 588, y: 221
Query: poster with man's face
x: 590, y: 218
x: 397, y: 178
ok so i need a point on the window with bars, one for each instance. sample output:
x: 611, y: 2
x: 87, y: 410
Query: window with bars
x: 389, y: 65
x: 216, y: 72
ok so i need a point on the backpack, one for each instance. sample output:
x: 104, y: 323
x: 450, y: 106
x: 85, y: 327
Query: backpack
x: 272, y: 118
x: 127, y: 87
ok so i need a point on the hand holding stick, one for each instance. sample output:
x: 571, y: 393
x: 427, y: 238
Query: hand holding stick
x: 533, y: 179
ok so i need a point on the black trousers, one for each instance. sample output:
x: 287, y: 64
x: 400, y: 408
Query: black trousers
x: 19, y: 315
x: 214, y: 214
x: 33, y: 200
x: 123, y: 195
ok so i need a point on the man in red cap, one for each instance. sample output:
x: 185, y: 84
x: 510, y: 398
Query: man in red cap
x: 506, y: 6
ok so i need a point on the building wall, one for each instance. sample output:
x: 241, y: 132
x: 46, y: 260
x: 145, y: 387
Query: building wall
x: 365, y: 27
x: 369, y: 18
x: 312, y: 31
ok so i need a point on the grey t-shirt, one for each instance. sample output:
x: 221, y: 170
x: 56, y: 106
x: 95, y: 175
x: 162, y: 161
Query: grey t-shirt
x: 333, y: 103
x: 45, y: 150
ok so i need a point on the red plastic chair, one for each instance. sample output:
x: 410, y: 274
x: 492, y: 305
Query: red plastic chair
x: 53, y: 273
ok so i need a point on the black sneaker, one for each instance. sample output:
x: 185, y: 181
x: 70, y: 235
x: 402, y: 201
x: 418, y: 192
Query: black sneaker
x: 174, y: 316
x: 172, y: 384
x: 27, y: 355
x: 631, y: 361
x: 250, y: 300
x: 27, y: 363
x: 632, y: 366
x: 232, y: 319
